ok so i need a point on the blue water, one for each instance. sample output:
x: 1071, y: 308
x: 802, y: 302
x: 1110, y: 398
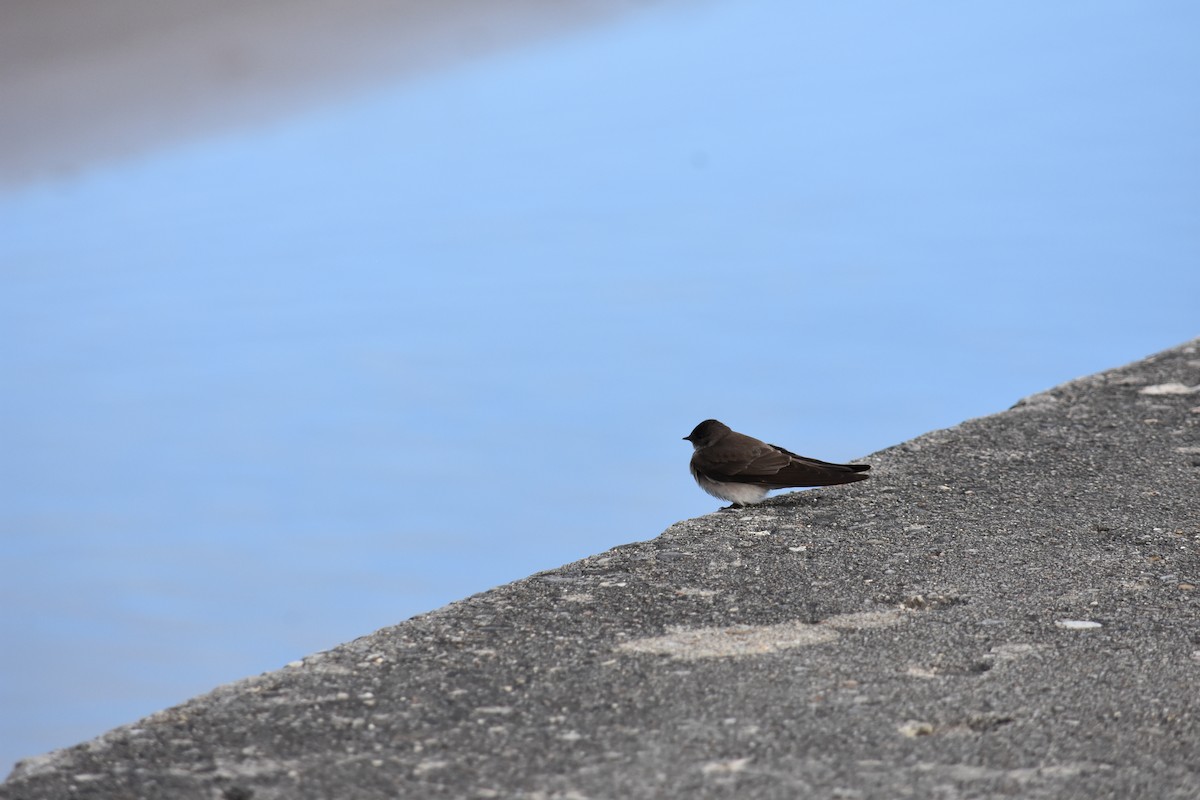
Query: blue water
x: 267, y: 392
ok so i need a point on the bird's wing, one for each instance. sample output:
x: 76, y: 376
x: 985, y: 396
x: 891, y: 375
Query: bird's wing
x: 816, y: 462
x: 772, y: 466
x: 811, y: 472
x: 743, y: 462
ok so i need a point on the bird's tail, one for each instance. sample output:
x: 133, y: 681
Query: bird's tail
x: 824, y: 473
x: 835, y: 474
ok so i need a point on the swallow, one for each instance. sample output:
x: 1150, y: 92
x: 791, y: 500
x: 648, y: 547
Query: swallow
x: 741, y: 469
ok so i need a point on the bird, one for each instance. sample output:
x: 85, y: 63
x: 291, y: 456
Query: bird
x: 741, y: 469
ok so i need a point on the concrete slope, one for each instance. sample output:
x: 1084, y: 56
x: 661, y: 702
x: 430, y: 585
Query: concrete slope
x: 1009, y: 608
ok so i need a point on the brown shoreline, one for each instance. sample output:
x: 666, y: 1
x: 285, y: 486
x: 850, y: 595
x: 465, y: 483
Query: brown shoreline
x: 86, y: 82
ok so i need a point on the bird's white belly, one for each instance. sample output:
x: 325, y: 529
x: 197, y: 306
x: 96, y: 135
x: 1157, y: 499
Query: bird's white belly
x: 740, y: 493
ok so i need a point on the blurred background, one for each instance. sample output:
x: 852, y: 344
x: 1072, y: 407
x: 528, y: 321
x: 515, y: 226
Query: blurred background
x: 320, y: 315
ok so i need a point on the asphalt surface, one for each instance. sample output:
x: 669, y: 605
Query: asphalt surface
x: 1008, y: 608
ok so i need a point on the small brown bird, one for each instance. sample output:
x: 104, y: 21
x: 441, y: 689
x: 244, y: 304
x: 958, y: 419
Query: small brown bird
x: 742, y: 469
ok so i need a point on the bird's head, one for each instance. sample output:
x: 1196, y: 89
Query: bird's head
x: 706, y: 433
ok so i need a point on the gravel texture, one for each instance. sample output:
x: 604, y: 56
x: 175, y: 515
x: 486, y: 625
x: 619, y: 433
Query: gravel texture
x: 1008, y: 608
